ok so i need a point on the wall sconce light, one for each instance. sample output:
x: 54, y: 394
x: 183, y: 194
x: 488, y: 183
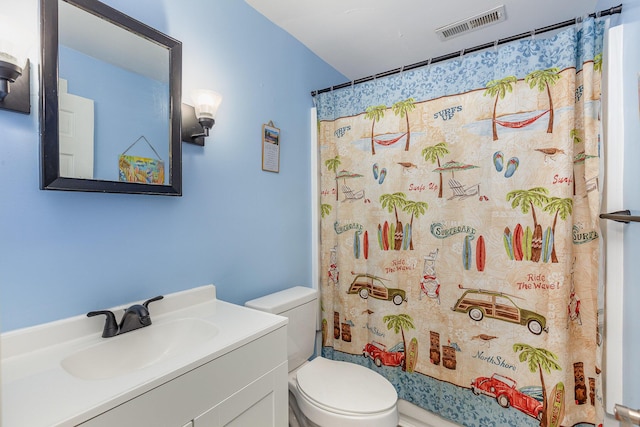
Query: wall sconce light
x: 199, y: 119
x: 15, y: 88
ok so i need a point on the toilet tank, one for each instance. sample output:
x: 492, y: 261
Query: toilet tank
x: 300, y: 305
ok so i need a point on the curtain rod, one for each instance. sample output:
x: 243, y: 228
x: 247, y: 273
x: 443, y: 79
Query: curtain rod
x: 612, y: 11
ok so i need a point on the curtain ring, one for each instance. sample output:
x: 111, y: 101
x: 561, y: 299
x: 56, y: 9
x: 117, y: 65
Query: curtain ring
x: 495, y: 45
x: 533, y: 34
x: 427, y: 68
x: 461, y: 53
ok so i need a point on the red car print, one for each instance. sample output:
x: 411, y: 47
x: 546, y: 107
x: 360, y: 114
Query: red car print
x: 381, y: 356
x: 505, y: 392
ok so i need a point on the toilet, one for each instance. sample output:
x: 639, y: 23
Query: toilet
x: 323, y: 392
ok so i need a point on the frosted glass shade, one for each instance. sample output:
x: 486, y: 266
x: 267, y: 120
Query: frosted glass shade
x: 206, y: 103
x: 9, y: 57
x: 12, y: 44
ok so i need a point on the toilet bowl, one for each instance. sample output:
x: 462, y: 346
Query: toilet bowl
x: 323, y: 392
x: 334, y: 393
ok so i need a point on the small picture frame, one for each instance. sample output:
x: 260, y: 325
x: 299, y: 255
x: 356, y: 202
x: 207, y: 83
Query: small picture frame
x: 270, y: 148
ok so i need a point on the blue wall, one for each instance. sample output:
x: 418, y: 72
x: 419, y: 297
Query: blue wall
x: 243, y: 229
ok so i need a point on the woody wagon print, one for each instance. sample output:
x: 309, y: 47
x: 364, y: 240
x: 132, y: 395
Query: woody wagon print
x: 462, y: 198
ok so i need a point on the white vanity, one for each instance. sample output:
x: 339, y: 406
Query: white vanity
x: 201, y: 363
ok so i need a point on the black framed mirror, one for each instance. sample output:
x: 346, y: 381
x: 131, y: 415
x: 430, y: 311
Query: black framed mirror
x: 110, y: 111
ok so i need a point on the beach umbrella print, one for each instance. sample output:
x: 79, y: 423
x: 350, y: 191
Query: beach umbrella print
x: 344, y: 174
x: 454, y: 166
x: 581, y: 157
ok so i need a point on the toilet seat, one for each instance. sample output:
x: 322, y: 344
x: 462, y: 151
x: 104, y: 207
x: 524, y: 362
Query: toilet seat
x: 333, y: 389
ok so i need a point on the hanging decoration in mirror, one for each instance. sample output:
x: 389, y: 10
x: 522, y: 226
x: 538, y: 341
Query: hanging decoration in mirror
x: 141, y: 169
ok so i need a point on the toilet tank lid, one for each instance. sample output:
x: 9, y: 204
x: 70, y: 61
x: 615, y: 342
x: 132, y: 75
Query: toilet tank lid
x: 284, y: 300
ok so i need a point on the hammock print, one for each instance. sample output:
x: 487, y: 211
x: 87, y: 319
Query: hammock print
x: 522, y: 123
x: 387, y: 142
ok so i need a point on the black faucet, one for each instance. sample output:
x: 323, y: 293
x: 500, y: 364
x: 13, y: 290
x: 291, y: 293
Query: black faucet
x: 135, y: 317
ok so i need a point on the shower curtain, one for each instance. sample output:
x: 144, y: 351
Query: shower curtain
x: 459, y: 231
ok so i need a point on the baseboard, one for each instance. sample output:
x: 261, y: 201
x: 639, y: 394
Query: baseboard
x: 414, y: 416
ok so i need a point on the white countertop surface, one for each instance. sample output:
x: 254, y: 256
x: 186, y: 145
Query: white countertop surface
x: 37, y: 391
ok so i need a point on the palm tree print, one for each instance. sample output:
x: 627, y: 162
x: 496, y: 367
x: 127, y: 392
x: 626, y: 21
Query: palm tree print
x: 374, y: 113
x: 562, y: 209
x: 527, y: 199
x: 325, y: 210
x: 399, y: 322
x: 392, y: 202
x: 402, y: 108
x: 542, y: 79
x: 499, y: 88
x: 597, y: 62
x: 538, y: 359
x: 574, y: 134
x: 415, y: 209
x: 333, y: 165
x: 433, y: 154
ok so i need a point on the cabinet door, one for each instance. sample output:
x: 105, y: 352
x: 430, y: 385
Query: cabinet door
x: 231, y: 384
x: 260, y: 404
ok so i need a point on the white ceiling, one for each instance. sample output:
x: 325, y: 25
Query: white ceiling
x: 360, y: 38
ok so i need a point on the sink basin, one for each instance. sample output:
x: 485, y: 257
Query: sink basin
x: 138, y: 349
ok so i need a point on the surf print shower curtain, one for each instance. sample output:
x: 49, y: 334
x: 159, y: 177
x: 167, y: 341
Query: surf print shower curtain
x: 459, y: 210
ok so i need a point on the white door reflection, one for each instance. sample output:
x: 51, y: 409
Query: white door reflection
x: 76, y: 134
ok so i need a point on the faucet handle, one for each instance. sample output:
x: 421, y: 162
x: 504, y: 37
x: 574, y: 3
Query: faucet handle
x: 146, y: 303
x: 110, y: 324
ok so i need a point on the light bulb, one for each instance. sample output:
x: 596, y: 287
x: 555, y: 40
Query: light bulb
x: 206, y: 103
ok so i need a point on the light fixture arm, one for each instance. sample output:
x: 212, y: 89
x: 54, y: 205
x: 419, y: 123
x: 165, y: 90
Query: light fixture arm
x: 4, y: 89
x: 197, y: 121
x: 9, y: 72
x: 194, y: 130
x: 15, y: 86
x: 206, y: 123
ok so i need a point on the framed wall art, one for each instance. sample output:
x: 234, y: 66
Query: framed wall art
x: 270, y: 148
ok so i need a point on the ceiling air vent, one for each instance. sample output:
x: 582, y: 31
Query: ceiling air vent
x: 481, y: 20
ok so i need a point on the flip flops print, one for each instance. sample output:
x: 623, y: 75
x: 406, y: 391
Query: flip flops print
x: 512, y: 164
x: 379, y: 176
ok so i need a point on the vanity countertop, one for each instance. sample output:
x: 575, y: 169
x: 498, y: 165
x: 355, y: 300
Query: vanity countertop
x: 38, y: 391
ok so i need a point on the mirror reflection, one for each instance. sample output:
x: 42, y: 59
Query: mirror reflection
x: 113, y: 101
x: 110, y: 85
